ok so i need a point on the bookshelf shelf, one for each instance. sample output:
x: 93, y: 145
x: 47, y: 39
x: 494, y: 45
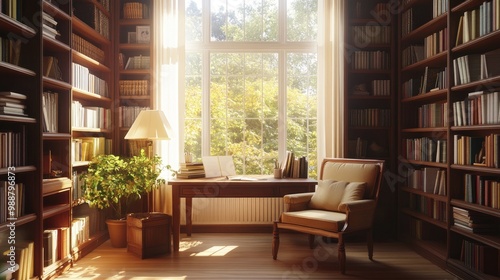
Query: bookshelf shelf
x: 81, y: 27
x: 421, y: 32
x: 9, y: 118
x: 7, y: 68
x: 23, y: 220
x: 15, y: 26
x: 54, y: 45
x: 56, y: 84
x: 89, y: 62
x: 425, y: 218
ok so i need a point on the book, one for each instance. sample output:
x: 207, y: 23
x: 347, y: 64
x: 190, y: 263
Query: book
x: 13, y: 95
x: 218, y: 166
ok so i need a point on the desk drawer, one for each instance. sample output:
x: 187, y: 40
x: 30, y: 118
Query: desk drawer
x: 200, y: 191
x: 295, y: 189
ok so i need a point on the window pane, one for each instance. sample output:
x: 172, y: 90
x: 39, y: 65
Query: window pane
x: 302, y: 20
x: 238, y: 101
x: 193, y: 86
x: 301, y: 106
x: 193, y: 27
x: 244, y: 21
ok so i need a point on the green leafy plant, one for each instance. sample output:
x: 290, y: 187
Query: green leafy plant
x: 115, y: 182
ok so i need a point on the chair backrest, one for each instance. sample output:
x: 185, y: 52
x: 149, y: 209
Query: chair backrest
x: 354, y: 170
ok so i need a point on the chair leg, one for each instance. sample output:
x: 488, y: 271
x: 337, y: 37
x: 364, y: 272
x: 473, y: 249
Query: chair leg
x: 276, y: 240
x: 369, y: 240
x: 341, y: 254
x: 311, y: 241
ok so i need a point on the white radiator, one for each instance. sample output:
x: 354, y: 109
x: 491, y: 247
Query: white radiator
x: 234, y: 210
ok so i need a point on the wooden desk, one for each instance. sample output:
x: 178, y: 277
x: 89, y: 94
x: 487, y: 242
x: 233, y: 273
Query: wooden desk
x: 266, y: 186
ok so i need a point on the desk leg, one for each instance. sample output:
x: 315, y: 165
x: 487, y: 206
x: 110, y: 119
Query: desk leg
x: 176, y: 218
x: 189, y: 213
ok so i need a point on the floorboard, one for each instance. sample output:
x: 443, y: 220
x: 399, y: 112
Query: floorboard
x: 248, y: 256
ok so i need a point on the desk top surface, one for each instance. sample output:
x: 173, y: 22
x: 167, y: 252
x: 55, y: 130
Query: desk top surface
x: 243, y: 179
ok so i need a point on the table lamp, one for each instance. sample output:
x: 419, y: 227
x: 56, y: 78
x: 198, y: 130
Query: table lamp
x: 149, y: 125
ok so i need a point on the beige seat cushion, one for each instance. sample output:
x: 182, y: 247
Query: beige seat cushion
x: 331, y: 195
x: 319, y: 219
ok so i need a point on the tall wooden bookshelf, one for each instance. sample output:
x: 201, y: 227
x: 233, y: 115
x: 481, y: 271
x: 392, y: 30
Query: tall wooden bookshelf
x: 448, y: 197
x: 134, y: 67
x: 21, y: 74
x: 56, y: 136
x: 370, y: 125
x: 92, y: 111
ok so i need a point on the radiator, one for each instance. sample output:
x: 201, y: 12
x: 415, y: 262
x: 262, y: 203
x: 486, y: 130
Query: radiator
x: 234, y: 210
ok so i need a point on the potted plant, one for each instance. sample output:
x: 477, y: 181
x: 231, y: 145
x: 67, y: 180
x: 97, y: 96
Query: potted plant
x: 113, y: 182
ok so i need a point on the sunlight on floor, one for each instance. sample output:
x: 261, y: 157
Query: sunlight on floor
x: 188, y: 244
x: 215, y: 251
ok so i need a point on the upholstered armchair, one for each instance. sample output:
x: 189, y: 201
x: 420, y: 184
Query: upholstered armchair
x: 344, y: 203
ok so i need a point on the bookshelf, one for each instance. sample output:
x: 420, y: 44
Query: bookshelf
x: 447, y: 95
x: 91, y: 112
x: 370, y: 126
x: 134, y: 66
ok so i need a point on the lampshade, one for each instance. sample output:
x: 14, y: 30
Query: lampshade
x: 149, y: 125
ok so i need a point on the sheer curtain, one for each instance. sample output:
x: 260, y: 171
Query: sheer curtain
x: 330, y: 79
x: 168, y: 87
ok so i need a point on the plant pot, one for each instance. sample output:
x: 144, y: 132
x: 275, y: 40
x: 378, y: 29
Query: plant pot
x: 117, y: 230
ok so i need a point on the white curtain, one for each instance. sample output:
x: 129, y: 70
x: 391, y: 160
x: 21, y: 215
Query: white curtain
x: 168, y: 86
x: 330, y: 79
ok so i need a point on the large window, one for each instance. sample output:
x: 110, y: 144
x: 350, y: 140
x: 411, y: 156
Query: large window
x: 251, y: 81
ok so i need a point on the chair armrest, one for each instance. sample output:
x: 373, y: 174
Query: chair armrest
x: 297, y: 201
x: 359, y: 214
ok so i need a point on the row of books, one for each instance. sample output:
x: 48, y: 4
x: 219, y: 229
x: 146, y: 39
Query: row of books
x: 475, y: 67
x: 25, y: 257
x: 77, y: 184
x: 357, y: 148
x: 80, y: 230
x: 428, y: 179
x: 12, y: 8
x: 12, y: 146
x: 85, y: 47
x: 378, y: 88
x: 433, y: 115
x: 479, y: 257
x: 138, y: 62
x: 371, y: 117
x: 49, y: 26
x: 432, y: 79
x: 477, y: 150
x: 430, y: 207
x: 478, y: 22
x: 370, y: 34
x: 135, y: 10
x: 55, y: 245
x: 482, y: 190
x: 90, y: 117
x: 84, y: 80
x: 432, y: 45
x: 128, y: 114
x: 11, y: 200
x: 12, y: 103
x: 295, y: 167
x: 478, y: 108
x: 380, y: 10
x: 86, y: 148
x: 93, y: 17
x: 439, y: 7
x: 50, y: 111
x: 370, y: 60
x: 10, y: 50
x: 191, y: 170
x: 413, y: 18
x: 105, y: 3
x: 51, y: 68
x: 425, y: 149
x: 134, y: 87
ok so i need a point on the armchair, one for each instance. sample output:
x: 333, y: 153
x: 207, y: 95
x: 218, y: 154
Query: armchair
x: 343, y: 203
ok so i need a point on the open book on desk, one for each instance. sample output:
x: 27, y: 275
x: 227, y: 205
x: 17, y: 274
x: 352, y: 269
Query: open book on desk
x: 244, y: 178
x: 218, y: 166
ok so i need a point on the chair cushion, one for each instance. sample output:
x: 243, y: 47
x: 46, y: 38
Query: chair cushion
x: 319, y: 219
x: 353, y: 172
x: 330, y: 194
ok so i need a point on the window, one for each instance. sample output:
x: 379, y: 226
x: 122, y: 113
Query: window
x: 251, y: 81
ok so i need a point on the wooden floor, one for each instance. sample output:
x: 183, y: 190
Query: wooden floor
x: 248, y: 256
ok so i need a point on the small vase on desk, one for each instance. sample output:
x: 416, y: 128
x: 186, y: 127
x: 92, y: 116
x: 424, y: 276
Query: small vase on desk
x: 278, y: 173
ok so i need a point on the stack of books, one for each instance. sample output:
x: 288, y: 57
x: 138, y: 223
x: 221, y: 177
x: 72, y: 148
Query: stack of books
x: 191, y: 170
x: 472, y: 221
x: 49, y: 26
x: 12, y: 103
